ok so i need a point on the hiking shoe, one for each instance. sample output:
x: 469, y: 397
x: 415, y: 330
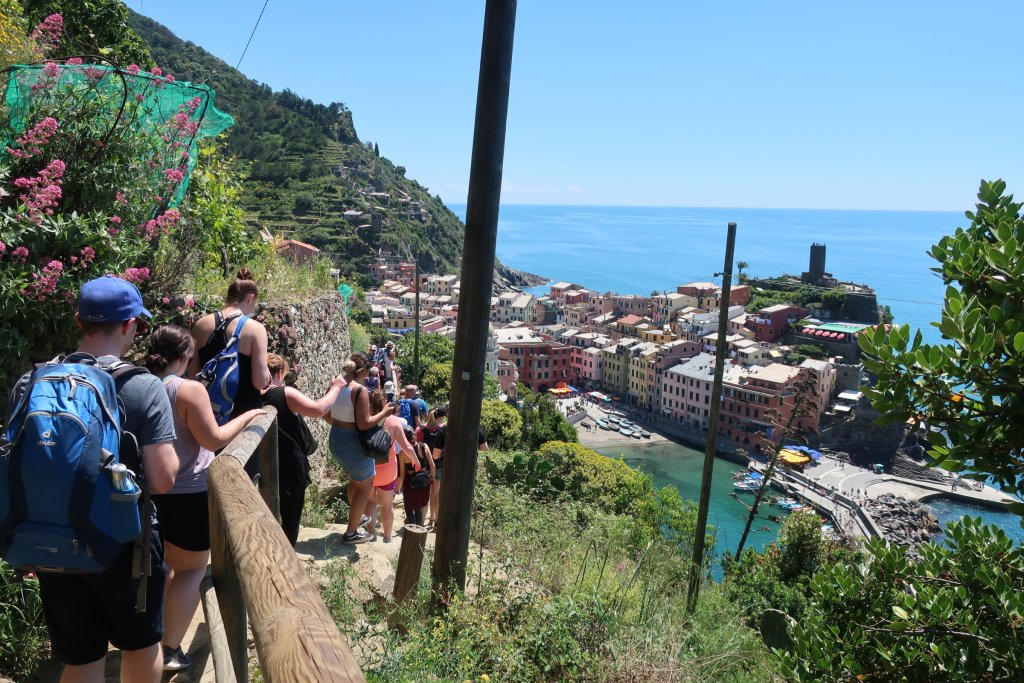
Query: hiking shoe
x: 364, y: 520
x: 357, y: 536
x: 175, y: 659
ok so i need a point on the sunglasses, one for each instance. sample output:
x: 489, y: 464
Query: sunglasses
x: 141, y: 326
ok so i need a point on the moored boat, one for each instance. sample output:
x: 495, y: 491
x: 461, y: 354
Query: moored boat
x: 626, y: 432
x: 645, y: 434
x: 602, y: 423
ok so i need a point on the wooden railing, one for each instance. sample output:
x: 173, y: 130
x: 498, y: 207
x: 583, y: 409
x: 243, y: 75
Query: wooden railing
x: 256, y: 576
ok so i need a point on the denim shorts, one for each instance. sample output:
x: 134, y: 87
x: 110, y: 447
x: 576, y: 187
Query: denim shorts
x: 348, y: 453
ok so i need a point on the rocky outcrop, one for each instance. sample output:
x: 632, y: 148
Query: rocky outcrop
x: 866, y: 442
x: 313, y: 335
x: 903, y: 522
x: 509, y: 278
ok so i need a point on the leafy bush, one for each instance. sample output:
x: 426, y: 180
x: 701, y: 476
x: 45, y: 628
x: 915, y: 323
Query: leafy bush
x: 955, y: 615
x: 502, y: 424
x: 23, y: 636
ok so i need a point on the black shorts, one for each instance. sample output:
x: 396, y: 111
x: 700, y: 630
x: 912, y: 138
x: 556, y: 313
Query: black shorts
x: 185, y: 518
x: 86, y: 611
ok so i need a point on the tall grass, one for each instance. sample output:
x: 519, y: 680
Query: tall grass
x: 23, y: 638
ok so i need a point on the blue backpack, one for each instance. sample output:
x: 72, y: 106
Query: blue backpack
x: 66, y: 503
x: 220, y: 374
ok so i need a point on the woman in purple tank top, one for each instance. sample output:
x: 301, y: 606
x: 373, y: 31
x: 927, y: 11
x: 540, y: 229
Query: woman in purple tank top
x: 184, y: 516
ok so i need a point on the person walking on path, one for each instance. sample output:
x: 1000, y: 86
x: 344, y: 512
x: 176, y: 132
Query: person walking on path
x: 415, y: 485
x: 350, y: 414
x: 295, y: 443
x: 438, y: 452
x: 385, y: 477
x: 85, y: 613
x: 184, y: 509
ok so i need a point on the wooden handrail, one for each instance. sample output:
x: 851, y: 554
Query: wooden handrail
x: 256, y: 571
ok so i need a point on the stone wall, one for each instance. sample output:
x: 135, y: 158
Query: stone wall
x: 313, y: 336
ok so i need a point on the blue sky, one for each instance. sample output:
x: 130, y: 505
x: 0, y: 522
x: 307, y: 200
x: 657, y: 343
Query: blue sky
x: 870, y: 105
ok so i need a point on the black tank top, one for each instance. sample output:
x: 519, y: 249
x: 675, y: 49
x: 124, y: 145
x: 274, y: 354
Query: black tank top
x: 248, y: 397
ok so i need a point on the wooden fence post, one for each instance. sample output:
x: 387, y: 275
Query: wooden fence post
x: 223, y: 667
x: 410, y: 561
x: 230, y: 598
x: 270, y: 471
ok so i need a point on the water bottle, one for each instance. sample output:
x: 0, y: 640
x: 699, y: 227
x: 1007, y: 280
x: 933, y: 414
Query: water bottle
x: 119, y: 477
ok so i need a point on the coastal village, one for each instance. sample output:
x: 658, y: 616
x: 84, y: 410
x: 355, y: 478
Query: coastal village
x: 655, y: 354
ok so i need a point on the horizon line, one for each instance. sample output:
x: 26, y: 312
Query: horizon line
x: 741, y: 208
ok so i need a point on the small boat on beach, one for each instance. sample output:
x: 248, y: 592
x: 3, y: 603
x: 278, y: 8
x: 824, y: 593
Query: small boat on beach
x: 635, y: 433
x: 626, y: 432
x: 602, y: 423
x: 612, y: 420
x: 645, y: 434
x: 626, y: 423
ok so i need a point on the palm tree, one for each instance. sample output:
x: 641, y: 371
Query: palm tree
x: 741, y: 266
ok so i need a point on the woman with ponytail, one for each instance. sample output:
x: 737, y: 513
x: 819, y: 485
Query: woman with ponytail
x: 212, y: 332
x: 184, y: 515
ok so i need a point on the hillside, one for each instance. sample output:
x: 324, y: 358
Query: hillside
x: 307, y: 167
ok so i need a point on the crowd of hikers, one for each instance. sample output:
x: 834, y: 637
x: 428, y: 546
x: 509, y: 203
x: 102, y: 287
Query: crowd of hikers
x: 103, y: 466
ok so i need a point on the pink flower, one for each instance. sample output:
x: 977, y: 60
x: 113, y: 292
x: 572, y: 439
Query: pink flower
x: 120, y: 198
x: 74, y: 61
x: 3, y: 247
x: 112, y: 232
x: 115, y: 220
x: 49, y: 30
x: 174, y: 175
x: 169, y: 78
x: 34, y: 138
x: 190, y: 302
x: 46, y: 283
x: 51, y: 70
x: 136, y: 275
x: 166, y: 300
x: 74, y: 260
x: 156, y: 71
x: 139, y: 97
x: 133, y: 69
x: 20, y: 254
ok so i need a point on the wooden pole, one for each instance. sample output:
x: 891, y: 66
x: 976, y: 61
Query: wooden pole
x: 697, y: 562
x: 223, y: 667
x: 230, y: 600
x: 270, y: 471
x: 482, y: 204
x: 296, y: 639
x: 410, y: 561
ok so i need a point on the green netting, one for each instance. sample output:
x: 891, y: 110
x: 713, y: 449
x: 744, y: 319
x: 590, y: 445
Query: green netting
x: 345, y: 292
x: 101, y: 104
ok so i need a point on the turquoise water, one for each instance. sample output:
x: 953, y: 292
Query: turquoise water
x: 682, y: 467
x: 635, y: 250
x: 948, y: 511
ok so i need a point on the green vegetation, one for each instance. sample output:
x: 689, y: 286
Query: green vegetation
x: 970, y: 388
x: 23, y: 637
x: 955, y: 615
x: 541, y: 420
x: 434, y: 349
x: 562, y: 588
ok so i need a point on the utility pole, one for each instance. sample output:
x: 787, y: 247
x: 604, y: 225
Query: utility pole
x: 456, y: 500
x: 697, y: 563
x: 416, y: 339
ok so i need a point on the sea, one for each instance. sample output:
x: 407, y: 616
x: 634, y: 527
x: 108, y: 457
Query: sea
x: 640, y: 250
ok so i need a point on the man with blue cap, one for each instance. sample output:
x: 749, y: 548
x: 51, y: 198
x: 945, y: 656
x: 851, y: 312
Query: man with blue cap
x: 85, y: 612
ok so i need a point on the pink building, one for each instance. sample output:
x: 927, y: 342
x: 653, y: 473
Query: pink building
x: 771, y: 324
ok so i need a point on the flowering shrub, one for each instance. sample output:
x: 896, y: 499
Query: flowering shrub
x: 93, y: 161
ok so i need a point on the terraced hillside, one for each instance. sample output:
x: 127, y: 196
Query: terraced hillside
x: 309, y: 176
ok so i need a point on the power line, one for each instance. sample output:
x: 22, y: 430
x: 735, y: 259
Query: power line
x: 265, y: 2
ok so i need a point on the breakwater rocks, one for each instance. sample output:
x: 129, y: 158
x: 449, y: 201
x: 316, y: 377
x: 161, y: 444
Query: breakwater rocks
x: 902, y: 521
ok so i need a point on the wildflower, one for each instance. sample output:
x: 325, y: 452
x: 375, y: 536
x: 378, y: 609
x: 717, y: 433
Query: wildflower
x: 3, y: 247
x: 133, y: 69
x: 139, y: 97
x: 120, y: 198
x: 51, y: 70
x: 74, y: 61
x: 174, y: 175
x: 88, y: 255
x: 112, y: 232
x: 20, y: 254
x: 135, y: 275
x: 115, y: 220
x: 193, y: 104
x: 169, y: 78
x: 190, y: 302
x: 34, y: 138
x: 484, y: 678
x: 49, y: 30
x: 166, y: 300
x: 45, y: 283
x: 156, y: 71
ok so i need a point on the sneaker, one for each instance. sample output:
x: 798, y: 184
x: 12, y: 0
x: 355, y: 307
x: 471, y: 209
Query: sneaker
x: 175, y: 659
x: 364, y: 520
x: 357, y: 536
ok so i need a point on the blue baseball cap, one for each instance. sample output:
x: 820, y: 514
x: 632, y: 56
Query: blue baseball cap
x: 110, y: 300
